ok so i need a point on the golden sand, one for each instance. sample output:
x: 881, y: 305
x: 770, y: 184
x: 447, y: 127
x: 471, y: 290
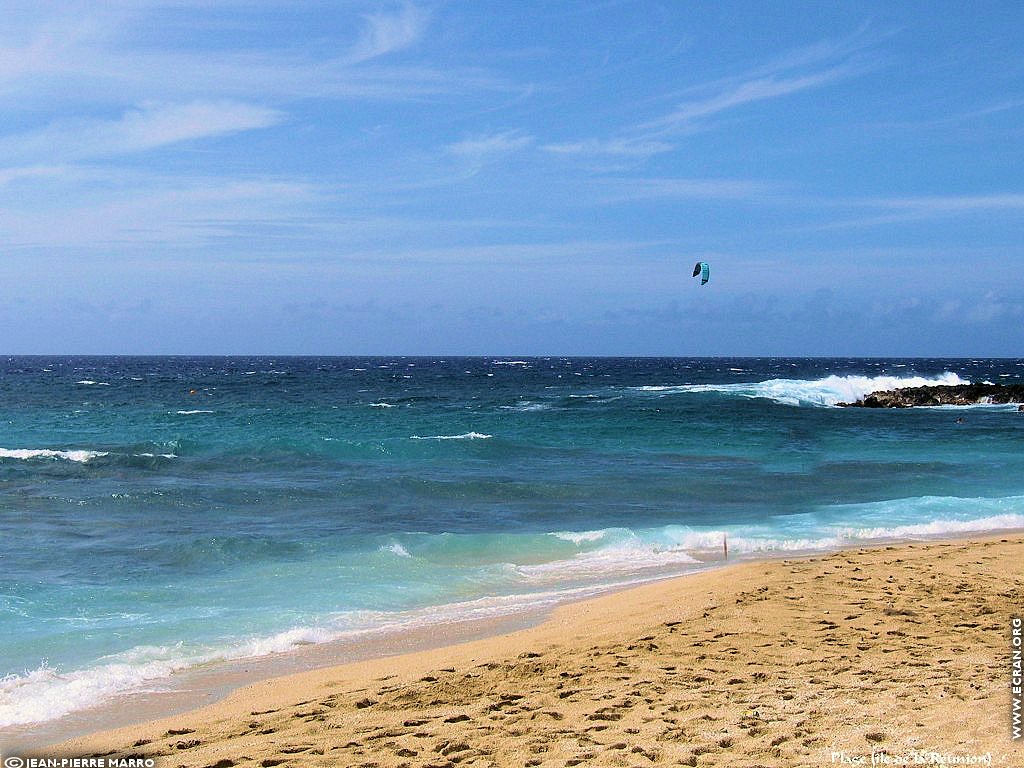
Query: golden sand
x: 819, y: 661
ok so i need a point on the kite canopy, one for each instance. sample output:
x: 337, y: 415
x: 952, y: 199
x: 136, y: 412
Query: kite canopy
x: 701, y: 268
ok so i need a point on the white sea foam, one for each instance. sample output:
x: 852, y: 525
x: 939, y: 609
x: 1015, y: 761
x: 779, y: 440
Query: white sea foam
x: 90, y: 382
x: 192, y: 412
x: 894, y: 519
x: 466, y: 436
x: 611, y: 557
x: 381, y: 405
x: 492, y: 606
x: 625, y: 550
x: 578, y: 537
x: 46, y: 453
x: 281, y: 642
x: 937, y: 528
x: 526, y: 406
x: 630, y: 554
x: 986, y: 407
x: 47, y: 694
x: 827, y: 391
x: 395, y: 548
x: 509, y: 362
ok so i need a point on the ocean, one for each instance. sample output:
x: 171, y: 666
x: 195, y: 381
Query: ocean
x: 165, y: 514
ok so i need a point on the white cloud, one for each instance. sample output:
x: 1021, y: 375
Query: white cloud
x: 154, y: 127
x: 968, y: 118
x: 687, y: 114
x: 138, y: 130
x: 620, y: 190
x: 498, y: 143
x: 620, y: 147
x: 11, y: 175
x: 388, y: 32
x: 90, y: 54
x: 478, y: 151
x: 147, y: 212
x: 909, y: 209
x: 42, y: 46
x: 992, y: 307
x: 813, y: 67
x: 949, y: 204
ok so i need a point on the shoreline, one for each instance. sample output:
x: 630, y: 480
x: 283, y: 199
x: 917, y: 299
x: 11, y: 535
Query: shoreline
x: 194, y: 688
x: 620, y: 639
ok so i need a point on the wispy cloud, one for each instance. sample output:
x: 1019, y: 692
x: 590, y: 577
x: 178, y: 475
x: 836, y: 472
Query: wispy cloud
x: 619, y: 147
x: 193, y: 212
x: 42, y: 45
x: 138, y: 130
x: 990, y: 307
x: 494, y: 144
x: 995, y: 306
x: 948, y: 204
x: 688, y: 114
x: 897, y: 210
x: 622, y: 190
x: 817, y: 66
x: 478, y: 151
x: 388, y: 32
x: 968, y: 118
x: 32, y: 172
x: 855, y: 47
x: 88, y: 54
x: 558, y: 256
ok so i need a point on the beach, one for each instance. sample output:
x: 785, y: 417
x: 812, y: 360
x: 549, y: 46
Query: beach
x: 894, y: 653
x: 422, y: 384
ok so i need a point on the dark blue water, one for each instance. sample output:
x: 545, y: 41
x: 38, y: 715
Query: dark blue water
x: 159, y: 513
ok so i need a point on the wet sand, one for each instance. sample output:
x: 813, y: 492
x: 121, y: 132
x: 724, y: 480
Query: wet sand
x: 825, y: 660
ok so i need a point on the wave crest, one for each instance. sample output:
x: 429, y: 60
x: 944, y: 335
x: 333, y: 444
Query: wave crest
x: 828, y: 391
x: 27, y: 454
x: 466, y: 436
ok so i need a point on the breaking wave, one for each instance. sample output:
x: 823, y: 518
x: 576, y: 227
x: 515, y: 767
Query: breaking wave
x: 466, y: 436
x: 27, y: 454
x: 533, y: 576
x: 828, y: 391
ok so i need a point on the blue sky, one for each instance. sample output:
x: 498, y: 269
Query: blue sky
x: 512, y: 178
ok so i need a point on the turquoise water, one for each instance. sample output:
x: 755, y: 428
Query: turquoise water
x: 161, y: 513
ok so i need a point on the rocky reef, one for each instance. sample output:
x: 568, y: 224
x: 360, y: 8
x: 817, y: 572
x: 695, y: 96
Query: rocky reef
x: 946, y: 394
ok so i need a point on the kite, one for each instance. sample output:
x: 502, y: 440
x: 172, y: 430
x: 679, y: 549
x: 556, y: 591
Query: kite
x: 701, y: 268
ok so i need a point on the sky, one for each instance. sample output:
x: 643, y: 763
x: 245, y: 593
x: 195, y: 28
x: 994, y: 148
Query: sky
x: 512, y: 178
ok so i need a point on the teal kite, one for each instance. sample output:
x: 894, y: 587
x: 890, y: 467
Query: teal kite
x: 701, y: 268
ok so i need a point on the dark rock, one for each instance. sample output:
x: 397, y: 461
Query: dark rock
x: 946, y: 394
